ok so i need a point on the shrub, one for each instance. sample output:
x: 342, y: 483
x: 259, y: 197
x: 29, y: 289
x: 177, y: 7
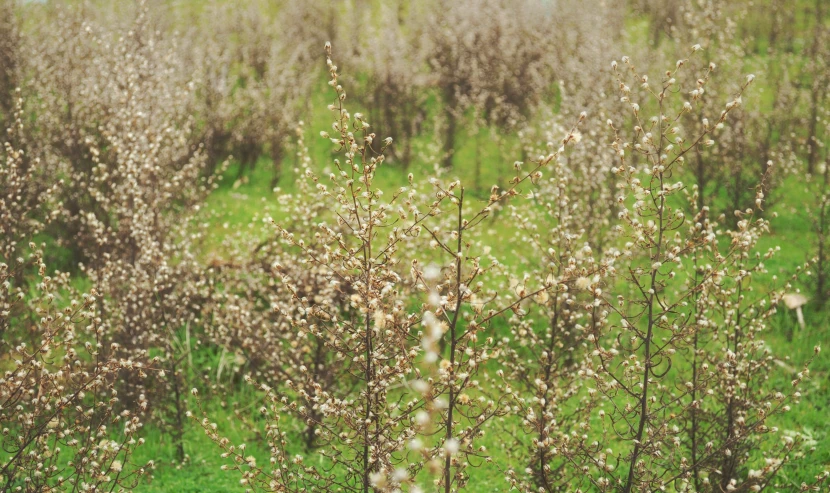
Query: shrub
x: 62, y: 423
x: 632, y: 371
x: 596, y: 320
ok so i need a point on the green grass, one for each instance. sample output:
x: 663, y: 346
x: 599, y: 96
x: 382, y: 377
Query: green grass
x: 241, y: 204
x: 236, y: 205
x: 201, y: 472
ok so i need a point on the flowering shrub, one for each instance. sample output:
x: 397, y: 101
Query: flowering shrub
x: 62, y: 425
x: 249, y: 81
x: 612, y: 373
x: 598, y: 319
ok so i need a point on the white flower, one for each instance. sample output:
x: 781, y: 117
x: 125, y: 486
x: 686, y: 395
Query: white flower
x: 451, y: 446
x: 378, y: 479
x: 583, y: 283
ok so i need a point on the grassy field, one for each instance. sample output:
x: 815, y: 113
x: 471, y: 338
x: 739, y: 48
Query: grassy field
x: 609, y: 312
x: 246, y: 202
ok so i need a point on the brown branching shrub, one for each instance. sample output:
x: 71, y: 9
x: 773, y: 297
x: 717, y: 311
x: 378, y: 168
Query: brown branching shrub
x: 373, y: 441
x: 674, y: 355
x: 9, y: 59
x: 251, y: 82
x: 597, y: 322
x: 116, y: 122
x: 26, y: 198
x: 62, y: 425
x: 256, y: 300
x: 487, y: 56
x: 633, y: 370
x: 396, y: 90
